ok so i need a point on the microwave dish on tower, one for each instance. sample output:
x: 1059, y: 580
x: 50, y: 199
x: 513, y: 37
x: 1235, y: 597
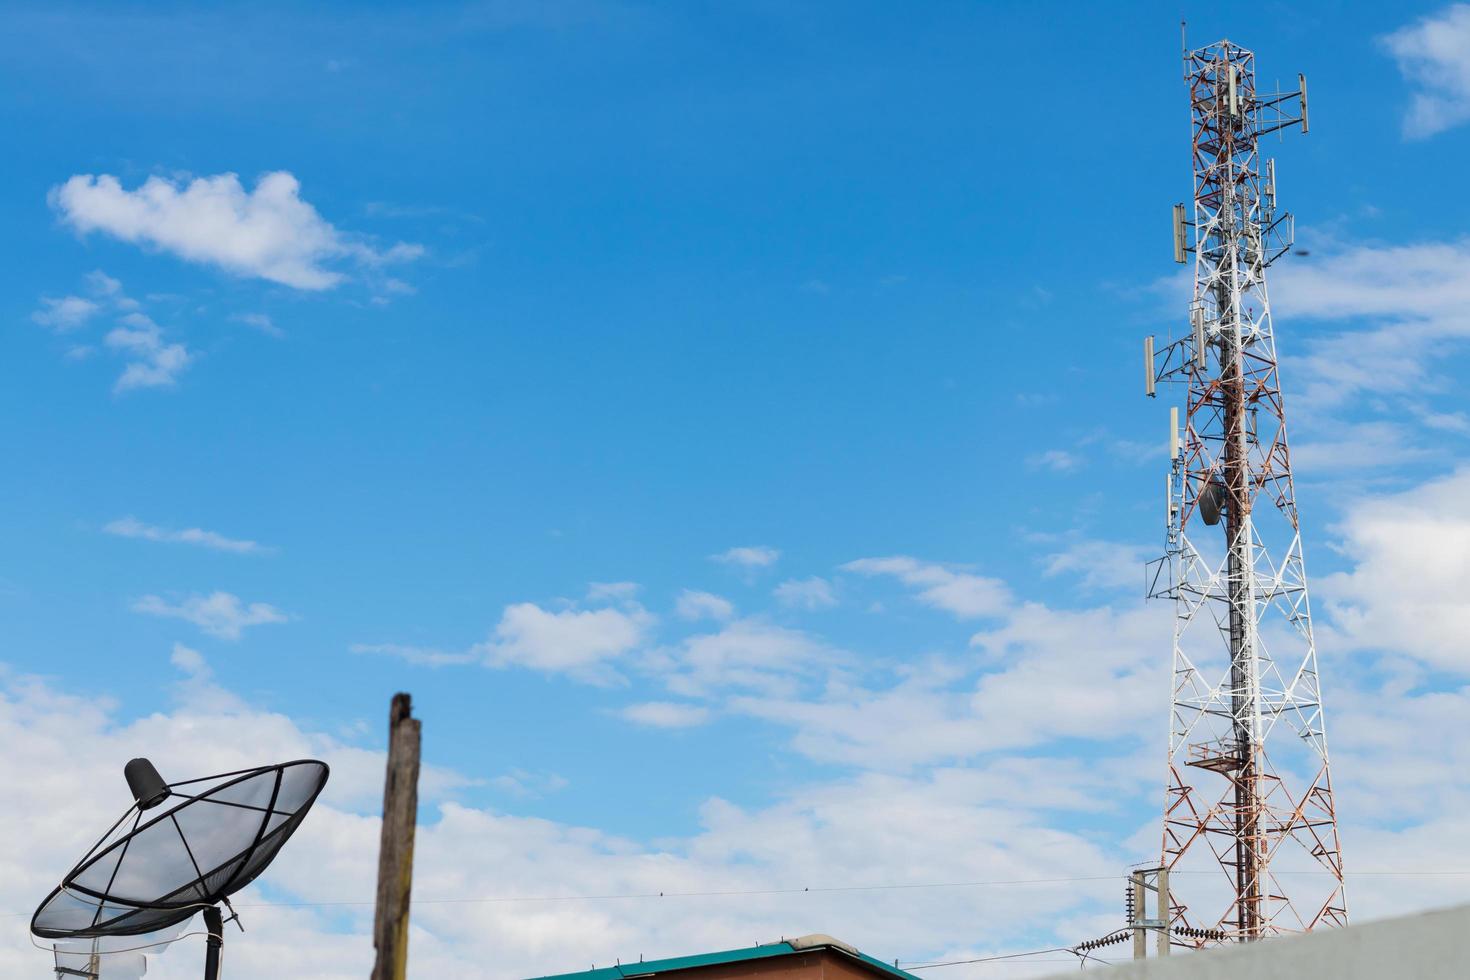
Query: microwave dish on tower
x: 180, y: 848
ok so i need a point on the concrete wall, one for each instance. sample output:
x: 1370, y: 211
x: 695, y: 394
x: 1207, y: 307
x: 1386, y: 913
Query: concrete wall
x: 1428, y: 946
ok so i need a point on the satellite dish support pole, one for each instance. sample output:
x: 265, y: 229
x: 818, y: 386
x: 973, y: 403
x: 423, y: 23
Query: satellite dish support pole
x: 214, y: 924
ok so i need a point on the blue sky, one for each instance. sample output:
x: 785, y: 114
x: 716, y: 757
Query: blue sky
x: 550, y: 307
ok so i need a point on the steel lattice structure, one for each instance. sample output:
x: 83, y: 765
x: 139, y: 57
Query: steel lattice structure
x: 1250, y: 795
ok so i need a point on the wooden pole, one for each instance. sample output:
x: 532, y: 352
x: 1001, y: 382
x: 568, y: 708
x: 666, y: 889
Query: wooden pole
x: 395, y: 851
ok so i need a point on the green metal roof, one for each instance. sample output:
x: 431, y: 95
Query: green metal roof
x: 767, y: 951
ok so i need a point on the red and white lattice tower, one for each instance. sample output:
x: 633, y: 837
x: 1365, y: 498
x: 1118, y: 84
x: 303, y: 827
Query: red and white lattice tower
x: 1250, y: 833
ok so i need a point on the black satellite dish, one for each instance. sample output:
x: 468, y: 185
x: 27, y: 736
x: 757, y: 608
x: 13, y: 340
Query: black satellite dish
x: 180, y: 848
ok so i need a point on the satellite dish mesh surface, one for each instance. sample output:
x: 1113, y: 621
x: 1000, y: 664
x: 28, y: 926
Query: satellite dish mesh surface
x: 175, y: 853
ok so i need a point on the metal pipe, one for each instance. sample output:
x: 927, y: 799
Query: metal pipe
x: 214, y: 924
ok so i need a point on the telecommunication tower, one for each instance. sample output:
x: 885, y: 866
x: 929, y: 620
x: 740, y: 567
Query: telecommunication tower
x: 1250, y: 833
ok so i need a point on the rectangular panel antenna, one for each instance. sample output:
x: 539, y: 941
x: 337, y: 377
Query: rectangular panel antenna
x: 1148, y: 366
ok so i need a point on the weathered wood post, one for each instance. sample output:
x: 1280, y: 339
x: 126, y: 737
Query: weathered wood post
x: 395, y: 851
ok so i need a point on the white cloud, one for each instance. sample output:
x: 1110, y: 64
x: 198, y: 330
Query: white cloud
x: 131, y: 527
x: 1406, y: 589
x: 1046, y: 675
x: 603, y: 591
x: 807, y: 593
x: 419, y: 656
x: 913, y: 723
x: 583, y: 643
x: 269, y: 233
x: 578, y: 642
x: 748, y: 653
x: 261, y: 322
x: 962, y: 593
x: 1424, y: 280
x: 1457, y: 422
x: 665, y: 714
x: 525, y: 785
x: 692, y: 604
x: 219, y: 614
x: 198, y: 686
x: 756, y: 556
x: 1356, y: 447
x: 1434, y: 55
x: 1055, y: 460
x: 101, y: 284
x: 65, y: 314
x: 188, y: 660
x: 1075, y: 674
x: 152, y: 363
x: 1100, y: 564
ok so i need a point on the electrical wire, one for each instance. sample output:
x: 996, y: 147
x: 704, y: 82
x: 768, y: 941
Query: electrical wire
x: 1028, y: 962
x: 813, y: 890
x: 1017, y: 959
x: 987, y: 959
x: 818, y: 889
x: 110, y: 952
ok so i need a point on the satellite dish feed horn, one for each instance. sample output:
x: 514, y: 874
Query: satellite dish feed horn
x: 181, y: 847
x: 147, y: 785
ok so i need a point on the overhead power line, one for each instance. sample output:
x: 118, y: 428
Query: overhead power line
x: 992, y: 959
x: 733, y: 893
x: 624, y: 896
x: 811, y: 890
